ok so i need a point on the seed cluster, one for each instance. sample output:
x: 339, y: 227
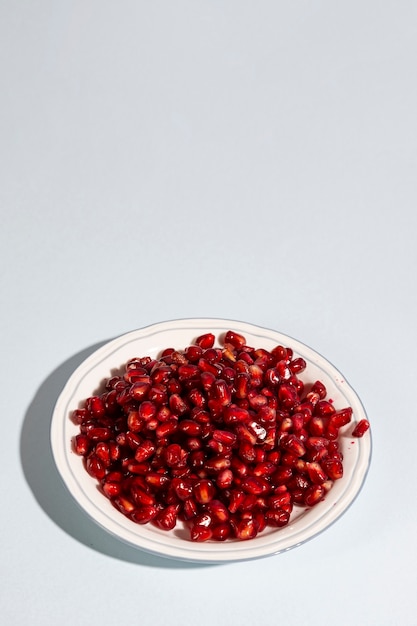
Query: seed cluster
x: 227, y: 439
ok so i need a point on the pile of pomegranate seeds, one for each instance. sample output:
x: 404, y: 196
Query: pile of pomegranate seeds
x: 226, y: 439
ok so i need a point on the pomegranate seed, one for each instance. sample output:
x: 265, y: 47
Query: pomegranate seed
x: 205, y: 341
x: 360, y: 429
x: 333, y: 468
x: 277, y: 517
x: 167, y: 518
x: 145, y: 450
x: 111, y: 489
x: 124, y: 505
x: 95, y: 467
x: 139, y: 390
x: 224, y: 479
x: 201, y: 533
x: 246, y: 529
x: 314, y: 494
x: 204, y: 491
x: 221, y: 532
x: 82, y: 444
x: 319, y: 388
x: 234, y: 339
x: 144, y: 514
x: 233, y: 414
x: 253, y: 485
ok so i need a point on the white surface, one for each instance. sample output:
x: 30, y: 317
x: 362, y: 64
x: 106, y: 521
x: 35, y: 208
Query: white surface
x: 305, y: 523
x: 245, y: 160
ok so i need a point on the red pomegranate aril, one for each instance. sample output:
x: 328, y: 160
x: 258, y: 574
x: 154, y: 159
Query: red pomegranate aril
x: 282, y: 475
x: 132, y: 440
x: 316, y: 426
x: 317, y: 443
x: 246, y: 529
x: 95, y: 467
x: 167, y: 428
x: 221, y: 392
x: 319, y: 388
x: 255, y: 376
x: 124, y: 505
x: 145, y: 450
x: 293, y: 444
x: 333, y: 468
x: 221, y: 531
x: 111, y: 489
x: 247, y: 452
x: 224, y: 437
x: 218, y: 511
x: 314, y: 494
x: 200, y: 533
x: 253, y: 485
x: 187, y: 371
x: 82, y: 444
x: 205, y: 341
x: 287, y: 396
x: 157, y: 481
x: 95, y: 406
x: 342, y: 417
x: 234, y: 339
x: 361, y: 428
x: 197, y: 397
x: 140, y: 497
x: 189, y: 509
x: 297, y: 365
x: 279, y: 500
x: 183, y: 488
x: 177, y: 405
x: 236, y: 498
x: 138, y: 390
x: 316, y: 473
x: 233, y: 414
x: 277, y: 517
x: 217, y: 464
x: 173, y: 455
x: 224, y: 479
x: 166, y: 519
x: 99, y: 433
x: 204, y: 491
x: 323, y: 408
x: 144, y: 514
x: 102, y: 450
x: 264, y: 468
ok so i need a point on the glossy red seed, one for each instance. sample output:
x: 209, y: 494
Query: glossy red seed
x: 204, y: 491
x: 200, y: 533
x: 111, y: 489
x: 144, y: 514
x: 95, y: 467
x: 277, y: 517
x: 314, y: 494
x: 167, y: 518
x: 221, y: 532
x: 361, y: 428
x: 235, y: 339
x: 205, y: 341
x: 333, y: 468
x: 145, y: 450
x: 82, y: 444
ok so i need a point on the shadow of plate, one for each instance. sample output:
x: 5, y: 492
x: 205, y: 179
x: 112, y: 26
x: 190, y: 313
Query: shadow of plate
x: 47, y: 486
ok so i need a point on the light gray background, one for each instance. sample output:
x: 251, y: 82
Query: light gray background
x: 246, y: 160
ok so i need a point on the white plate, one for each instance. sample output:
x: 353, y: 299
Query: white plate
x: 304, y: 523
